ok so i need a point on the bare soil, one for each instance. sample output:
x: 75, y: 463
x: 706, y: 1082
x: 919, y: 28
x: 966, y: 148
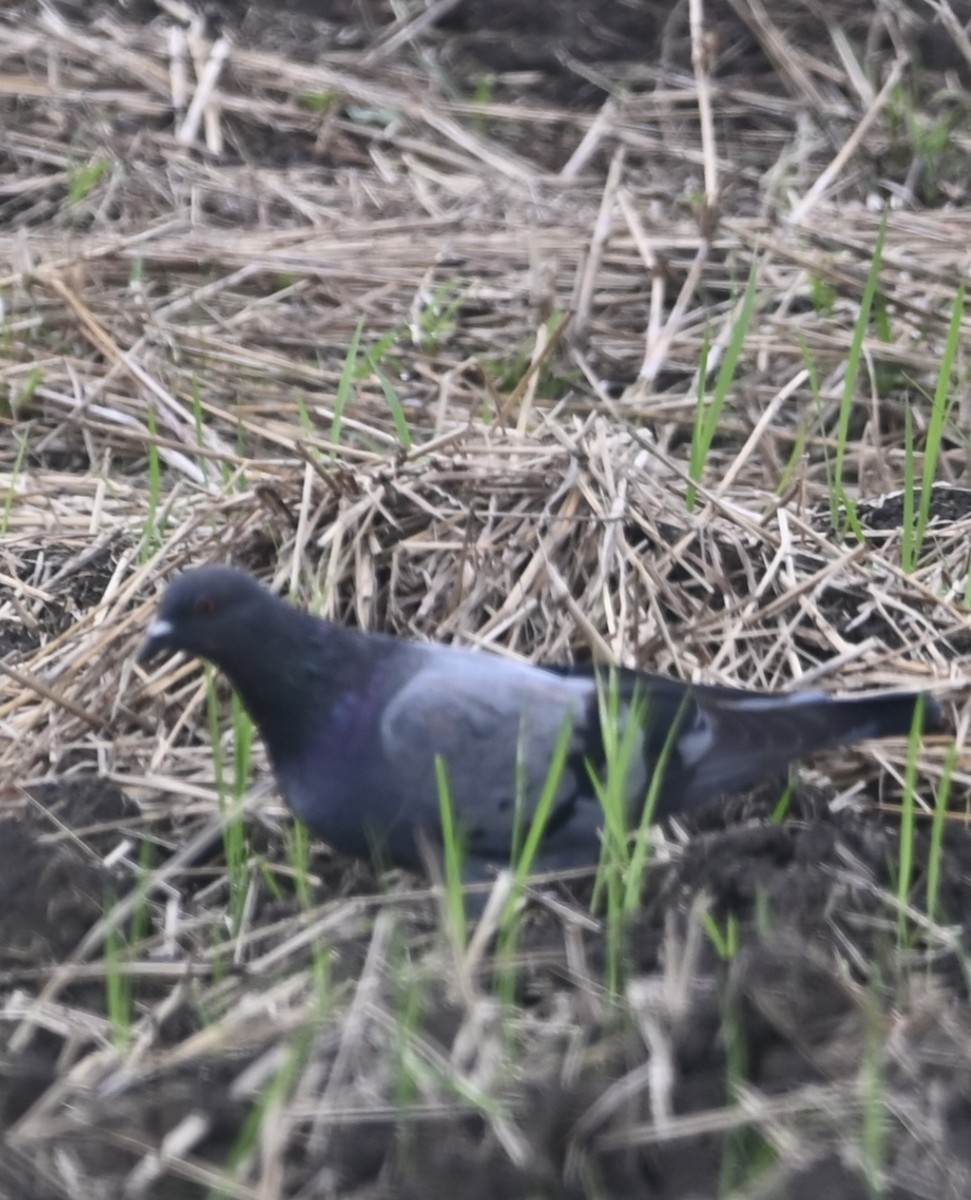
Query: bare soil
x: 789, y: 1026
x: 815, y: 982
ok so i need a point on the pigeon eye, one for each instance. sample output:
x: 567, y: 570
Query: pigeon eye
x: 206, y: 606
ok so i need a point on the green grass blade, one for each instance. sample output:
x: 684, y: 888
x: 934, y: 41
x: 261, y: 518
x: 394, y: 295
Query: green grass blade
x: 707, y: 416
x: 345, y: 386
x: 940, y: 415
x: 941, y: 807
x: 454, y: 853
x: 853, y: 364
x: 401, y: 425
x: 908, y: 822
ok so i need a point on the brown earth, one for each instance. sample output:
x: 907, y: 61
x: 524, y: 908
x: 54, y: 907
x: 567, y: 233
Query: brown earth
x: 816, y: 979
x: 822, y: 1049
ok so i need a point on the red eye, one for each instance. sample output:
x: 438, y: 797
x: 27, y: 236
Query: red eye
x: 206, y: 606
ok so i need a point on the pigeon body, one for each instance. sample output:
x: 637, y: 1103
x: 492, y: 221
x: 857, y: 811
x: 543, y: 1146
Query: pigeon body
x: 353, y: 723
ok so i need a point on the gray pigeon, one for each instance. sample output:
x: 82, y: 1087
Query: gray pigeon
x: 353, y: 723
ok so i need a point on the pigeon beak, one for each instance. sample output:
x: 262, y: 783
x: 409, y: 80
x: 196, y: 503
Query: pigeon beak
x: 158, y: 638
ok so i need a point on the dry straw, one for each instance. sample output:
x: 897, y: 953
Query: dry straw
x: 194, y: 231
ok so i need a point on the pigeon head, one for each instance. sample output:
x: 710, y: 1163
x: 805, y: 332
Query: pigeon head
x: 210, y: 613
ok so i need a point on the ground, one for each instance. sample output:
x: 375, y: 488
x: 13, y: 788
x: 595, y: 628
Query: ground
x: 321, y: 336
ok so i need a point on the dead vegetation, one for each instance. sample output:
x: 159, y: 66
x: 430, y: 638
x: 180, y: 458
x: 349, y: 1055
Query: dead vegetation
x: 532, y: 260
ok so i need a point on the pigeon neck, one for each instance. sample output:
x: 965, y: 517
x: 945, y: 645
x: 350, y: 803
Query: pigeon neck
x: 295, y: 671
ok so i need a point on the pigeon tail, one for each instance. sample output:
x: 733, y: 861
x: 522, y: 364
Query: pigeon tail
x: 859, y: 718
x: 737, y: 740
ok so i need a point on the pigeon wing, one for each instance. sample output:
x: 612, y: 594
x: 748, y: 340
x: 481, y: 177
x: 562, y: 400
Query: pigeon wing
x: 496, y: 726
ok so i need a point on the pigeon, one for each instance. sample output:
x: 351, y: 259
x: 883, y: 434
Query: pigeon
x: 359, y: 725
